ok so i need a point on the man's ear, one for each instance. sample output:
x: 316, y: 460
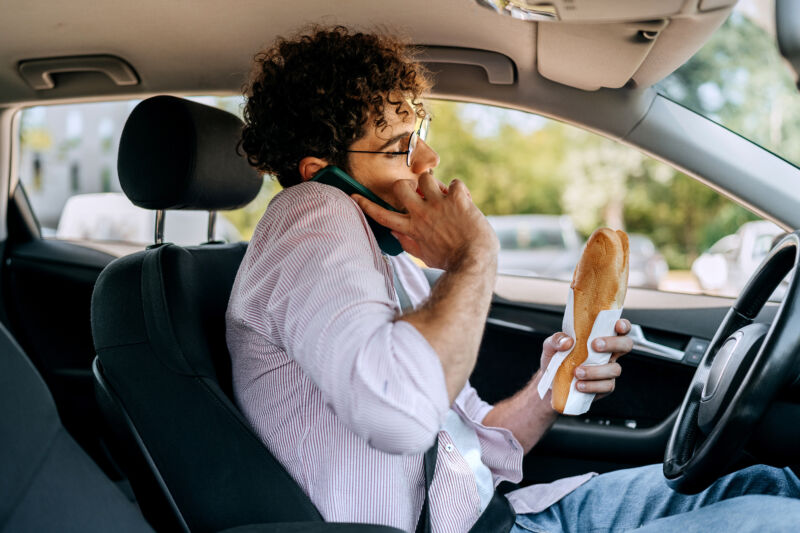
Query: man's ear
x: 309, y: 166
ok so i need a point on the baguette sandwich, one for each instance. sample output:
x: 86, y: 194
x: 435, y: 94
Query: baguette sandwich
x: 599, y: 283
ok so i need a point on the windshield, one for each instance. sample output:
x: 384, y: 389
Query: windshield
x: 739, y: 80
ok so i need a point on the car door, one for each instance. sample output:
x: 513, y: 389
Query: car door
x: 631, y: 426
x: 550, y: 170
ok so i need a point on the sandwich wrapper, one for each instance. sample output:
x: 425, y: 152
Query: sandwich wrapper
x: 579, y: 402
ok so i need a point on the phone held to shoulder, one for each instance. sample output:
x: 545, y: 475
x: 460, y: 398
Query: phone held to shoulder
x: 336, y: 177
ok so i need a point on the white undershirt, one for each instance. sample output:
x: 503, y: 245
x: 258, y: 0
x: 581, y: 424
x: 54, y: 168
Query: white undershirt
x: 466, y: 441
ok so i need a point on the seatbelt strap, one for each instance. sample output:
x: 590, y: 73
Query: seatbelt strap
x: 402, y: 295
x: 498, y: 517
x: 429, y: 467
x: 429, y: 459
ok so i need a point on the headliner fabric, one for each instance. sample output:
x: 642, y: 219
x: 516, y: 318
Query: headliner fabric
x: 178, y: 154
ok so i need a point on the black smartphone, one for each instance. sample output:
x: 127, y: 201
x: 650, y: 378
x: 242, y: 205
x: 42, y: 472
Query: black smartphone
x: 336, y: 177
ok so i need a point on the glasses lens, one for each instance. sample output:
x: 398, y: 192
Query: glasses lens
x: 412, y: 143
x: 423, y: 128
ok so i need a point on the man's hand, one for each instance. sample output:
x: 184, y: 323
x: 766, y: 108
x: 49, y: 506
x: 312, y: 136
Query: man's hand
x: 528, y: 416
x: 441, y: 226
x: 597, y: 379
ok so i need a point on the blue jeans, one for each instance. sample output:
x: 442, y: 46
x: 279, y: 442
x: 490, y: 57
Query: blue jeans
x: 759, y: 498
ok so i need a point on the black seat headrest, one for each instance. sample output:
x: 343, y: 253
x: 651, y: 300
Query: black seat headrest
x: 178, y: 154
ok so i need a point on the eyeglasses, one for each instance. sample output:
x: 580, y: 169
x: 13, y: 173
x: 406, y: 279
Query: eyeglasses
x: 421, y: 132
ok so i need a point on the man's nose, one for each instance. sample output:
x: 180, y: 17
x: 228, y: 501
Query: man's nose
x: 424, y: 158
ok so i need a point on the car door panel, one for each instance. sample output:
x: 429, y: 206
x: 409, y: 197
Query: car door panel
x: 48, y: 288
x: 627, y: 428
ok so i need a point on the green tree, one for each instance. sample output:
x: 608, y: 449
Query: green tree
x: 740, y: 80
x: 507, y: 173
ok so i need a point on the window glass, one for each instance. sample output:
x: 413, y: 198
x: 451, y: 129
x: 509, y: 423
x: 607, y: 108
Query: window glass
x: 68, y: 167
x: 546, y: 186
x: 740, y: 80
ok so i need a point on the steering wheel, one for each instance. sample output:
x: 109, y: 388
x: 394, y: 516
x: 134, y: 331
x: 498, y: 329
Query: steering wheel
x: 745, y: 366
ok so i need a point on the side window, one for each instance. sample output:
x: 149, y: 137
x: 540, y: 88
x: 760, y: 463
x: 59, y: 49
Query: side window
x: 545, y: 186
x: 68, y: 167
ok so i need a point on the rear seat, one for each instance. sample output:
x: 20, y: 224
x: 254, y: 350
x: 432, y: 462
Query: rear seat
x: 47, y: 482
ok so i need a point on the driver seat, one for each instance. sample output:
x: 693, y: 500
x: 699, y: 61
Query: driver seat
x: 158, y: 319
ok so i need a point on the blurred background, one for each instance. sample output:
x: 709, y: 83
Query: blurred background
x: 544, y: 185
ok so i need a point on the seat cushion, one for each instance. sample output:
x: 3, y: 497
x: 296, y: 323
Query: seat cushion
x: 47, y: 482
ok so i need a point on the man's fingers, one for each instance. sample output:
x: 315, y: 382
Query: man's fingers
x: 612, y: 344
x: 597, y: 387
x: 409, y: 245
x: 556, y: 343
x: 598, y: 372
x: 394, y: 221
x: 430, y: 186
x: 616, y: 356
x: 623, y: 326
x: 458, y: 189
x: 406, y: 192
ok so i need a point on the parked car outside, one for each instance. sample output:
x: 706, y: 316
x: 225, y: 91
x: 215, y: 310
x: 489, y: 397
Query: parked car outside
x: 647, y: 266
x: 725, y: 267
x: 545, y: 246
x: 111, y: 217
x: 549, y: 246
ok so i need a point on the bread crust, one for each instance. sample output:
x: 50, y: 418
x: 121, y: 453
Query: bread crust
x: 599, y: 283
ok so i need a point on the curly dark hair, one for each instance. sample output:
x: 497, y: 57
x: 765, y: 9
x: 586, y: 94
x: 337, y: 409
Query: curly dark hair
x: 313, y: 95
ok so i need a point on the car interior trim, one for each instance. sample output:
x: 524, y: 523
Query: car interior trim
x: 645, y: 346
x: 9, y: 122
x: 508, y: 324
x: 499, y: 68
x: 38, y: 73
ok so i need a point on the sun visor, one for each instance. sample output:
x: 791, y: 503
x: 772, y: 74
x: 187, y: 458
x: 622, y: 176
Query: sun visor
x: 591, y: 47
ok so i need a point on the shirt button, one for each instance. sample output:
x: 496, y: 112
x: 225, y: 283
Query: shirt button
x: 448, y: 447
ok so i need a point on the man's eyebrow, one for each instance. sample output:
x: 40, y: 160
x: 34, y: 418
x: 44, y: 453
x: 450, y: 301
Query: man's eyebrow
x: 394, y: 140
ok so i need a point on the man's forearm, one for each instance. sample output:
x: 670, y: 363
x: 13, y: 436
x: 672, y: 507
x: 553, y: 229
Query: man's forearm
x: 453, y: 318
x: 526, y: 415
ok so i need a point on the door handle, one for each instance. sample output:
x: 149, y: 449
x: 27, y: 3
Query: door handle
x: 648, y: 347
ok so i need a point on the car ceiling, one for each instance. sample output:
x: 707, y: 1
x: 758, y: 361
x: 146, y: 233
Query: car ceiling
x: 206, y: 46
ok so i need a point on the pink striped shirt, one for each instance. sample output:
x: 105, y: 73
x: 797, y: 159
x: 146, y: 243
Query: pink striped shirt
x: 345, y: 396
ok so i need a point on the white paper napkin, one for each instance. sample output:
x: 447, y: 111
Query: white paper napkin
x: 579, y: 402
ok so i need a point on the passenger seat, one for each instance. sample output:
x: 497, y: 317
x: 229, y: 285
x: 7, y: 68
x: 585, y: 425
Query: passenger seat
x: 163, y: 371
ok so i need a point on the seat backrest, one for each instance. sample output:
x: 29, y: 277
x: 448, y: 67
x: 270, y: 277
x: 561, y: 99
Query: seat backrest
x: 158, y: 319
x: 158, y: 322
x: 47, y: 482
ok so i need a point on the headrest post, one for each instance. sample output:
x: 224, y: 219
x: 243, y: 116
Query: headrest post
x: 160, y: 226
x: 212, y: 223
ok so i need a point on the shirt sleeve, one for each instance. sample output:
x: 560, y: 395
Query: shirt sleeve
x: 333, y: 313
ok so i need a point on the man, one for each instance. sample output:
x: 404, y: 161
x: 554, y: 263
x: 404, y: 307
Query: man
x: 347, y: 389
